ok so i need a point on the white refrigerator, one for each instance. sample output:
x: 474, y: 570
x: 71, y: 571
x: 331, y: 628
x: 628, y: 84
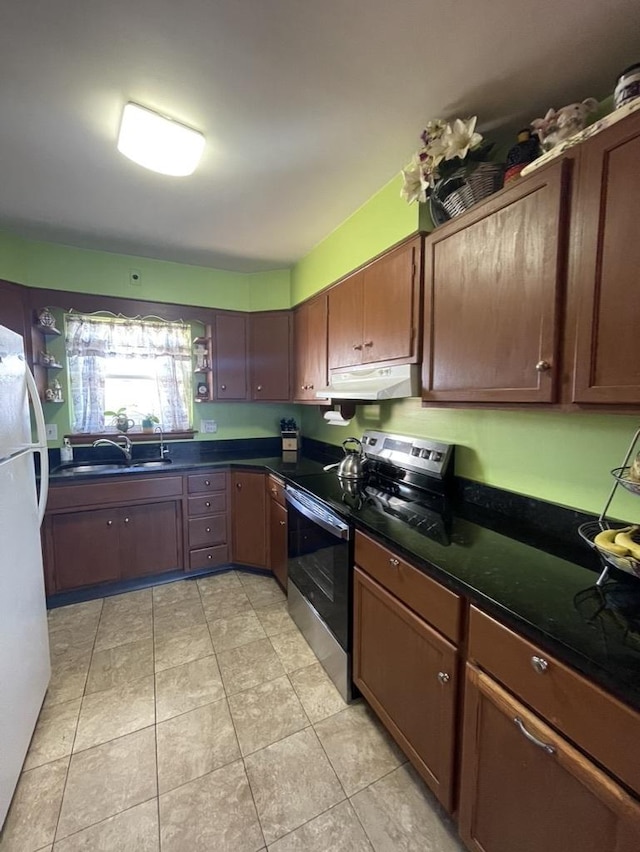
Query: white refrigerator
x: 24, y: 642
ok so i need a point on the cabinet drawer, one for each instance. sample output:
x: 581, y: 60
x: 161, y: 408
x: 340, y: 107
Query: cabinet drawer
x: 210, y: 504
x: 423, y: 595
x: 202, y: 482
x: 207, y: 531
x: 560, y: 695
x: 208, y: 557
x: 275, y: 489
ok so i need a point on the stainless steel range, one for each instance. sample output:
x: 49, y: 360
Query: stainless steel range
x: 404, y: 478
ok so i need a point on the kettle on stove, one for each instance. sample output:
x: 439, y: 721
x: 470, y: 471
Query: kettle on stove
x: 352, y: 465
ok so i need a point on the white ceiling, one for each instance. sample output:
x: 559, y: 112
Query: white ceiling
x: 308, y: 108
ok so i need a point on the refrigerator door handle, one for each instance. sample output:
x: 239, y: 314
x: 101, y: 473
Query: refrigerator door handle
x: 41, y: 445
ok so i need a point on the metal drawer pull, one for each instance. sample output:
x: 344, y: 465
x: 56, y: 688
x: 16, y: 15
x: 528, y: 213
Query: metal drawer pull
x: 274, y: 490
x: 543, y: 366
x: 394, y: 562
x: 539, y: 664
x: 357, y: 346
x: 207, y: 529
x: 368, y: 343
x: 207, y: 504
x: 109, y: 523
x: 259, y: 387
x: 223, y: 387
x: 209, y: 556
x: 207, y: 482
x: 443, y: 677
x: 282, y: 523
x: 126, y: 520
x: 544, y: 746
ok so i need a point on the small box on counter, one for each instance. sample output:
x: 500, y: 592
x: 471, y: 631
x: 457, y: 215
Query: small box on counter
x: 290, y: 435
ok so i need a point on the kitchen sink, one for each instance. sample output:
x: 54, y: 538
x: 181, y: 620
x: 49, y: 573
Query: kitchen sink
x: 75, y: 468
x: 151, y: 464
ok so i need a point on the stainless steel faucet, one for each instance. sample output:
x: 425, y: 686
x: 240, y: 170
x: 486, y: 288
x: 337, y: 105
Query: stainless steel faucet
x: 164, y: 451
x: 126, y: 449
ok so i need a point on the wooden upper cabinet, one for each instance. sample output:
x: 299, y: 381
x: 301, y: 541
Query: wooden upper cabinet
x: 269, y: 355
x: 493, y: 280
x: 310, y: 348
x: 604, y: 272
x: 249, y: 518
x: 231, y: 356
x: 374, y: 314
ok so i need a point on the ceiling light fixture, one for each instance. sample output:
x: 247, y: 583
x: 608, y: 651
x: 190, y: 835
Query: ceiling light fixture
x: 159, y: 143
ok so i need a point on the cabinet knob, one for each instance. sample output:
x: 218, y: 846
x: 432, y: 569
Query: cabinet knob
x: 208, y: 504
x: 207, y: 529
x: 274, y: 491
x: 282, y: 523
x: 394, y: 562
x: 357, y: 346
x: 543, y: 366
x: 539, y: 664
x: 539, y: 743
x: 259, y: 387
x: 443, y: 677
x: 309, y: 387
x: 304, y: 387
x: 126, y: 520
x: 207, y: 482
x: 223, y: 387
x: 109, y: 523
x: 368, y: 343
x: 209, y: 556
x: 238, y: 485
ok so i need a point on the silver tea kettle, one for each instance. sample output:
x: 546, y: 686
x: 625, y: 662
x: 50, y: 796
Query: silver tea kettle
x: 351, y: 466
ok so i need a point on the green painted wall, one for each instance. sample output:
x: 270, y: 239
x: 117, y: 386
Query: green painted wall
x: 59, y: 267
x: 384, y: 220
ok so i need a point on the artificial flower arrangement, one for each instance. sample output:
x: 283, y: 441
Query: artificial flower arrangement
x: 444, y: 144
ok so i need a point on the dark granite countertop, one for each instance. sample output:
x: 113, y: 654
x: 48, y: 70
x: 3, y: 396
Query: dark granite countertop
x: 541, y: 588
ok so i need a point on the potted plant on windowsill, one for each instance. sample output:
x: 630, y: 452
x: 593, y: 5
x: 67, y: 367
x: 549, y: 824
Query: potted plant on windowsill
x: 148, y: 422
x: 120, y: 419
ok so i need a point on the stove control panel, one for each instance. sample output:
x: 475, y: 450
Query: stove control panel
x: 421, y: 454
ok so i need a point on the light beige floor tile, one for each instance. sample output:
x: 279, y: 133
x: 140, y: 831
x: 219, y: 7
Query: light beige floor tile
x: 115, y: 712
x: 293, y: 650
x: 266, y: 714
x: 292, y: 781
x: 317, y: 693
x: 135, y: 830
x: 169, y: 617
x: 275, y: 618
x: 128, y: 604
x: 54, y: 733
x: 121, y: 664
x: 262, y: 581
x: 108, y: 779
x: 32, y: 817
x: 182, y: 646
x: 226, y: 602
x: 81, y: 617
x: 68, y: 675
x: 211, y: 814
x: 123, y: 628
x: 64, y: 639
x: 217, y: 582
x: 400, y: 815
x: 336, y: 830
x: 261, y: 596
x: 227, y: 633
x: 170, y: 593
x: 359, y: 748
x: 195, y: 744
x: 249, y: 665
x: 186, y: 687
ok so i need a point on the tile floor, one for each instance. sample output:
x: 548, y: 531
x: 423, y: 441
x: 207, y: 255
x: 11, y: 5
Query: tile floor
x: 193, y: 717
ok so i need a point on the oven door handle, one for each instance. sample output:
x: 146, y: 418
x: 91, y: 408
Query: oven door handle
x: 336, y: 528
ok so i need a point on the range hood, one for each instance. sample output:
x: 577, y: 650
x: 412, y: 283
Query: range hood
x: 373, y: 383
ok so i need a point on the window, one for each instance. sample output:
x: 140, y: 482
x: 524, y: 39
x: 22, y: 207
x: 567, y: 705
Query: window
x: 141, y: 365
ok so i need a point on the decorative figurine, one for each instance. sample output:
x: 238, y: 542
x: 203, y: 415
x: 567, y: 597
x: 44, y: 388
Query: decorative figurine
x: 525, y: 151
x: 202, y: 361
x: 46, y: 319
x: 49, y: 395
x: 57, y: 391
x: 558, y: 125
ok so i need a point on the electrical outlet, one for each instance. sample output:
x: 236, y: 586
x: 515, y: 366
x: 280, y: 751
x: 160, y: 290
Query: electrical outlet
x: 208, y: 426
x: 135, y: 277
x: 51, y: 431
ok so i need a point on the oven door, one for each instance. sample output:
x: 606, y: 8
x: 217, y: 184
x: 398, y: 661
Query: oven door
x: 319, y: 558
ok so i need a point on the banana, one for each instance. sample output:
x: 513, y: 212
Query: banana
x: 624, y: 539
x: 607, y: 540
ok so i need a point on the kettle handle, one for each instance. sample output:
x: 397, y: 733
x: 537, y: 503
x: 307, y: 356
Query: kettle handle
x: 355, y: 440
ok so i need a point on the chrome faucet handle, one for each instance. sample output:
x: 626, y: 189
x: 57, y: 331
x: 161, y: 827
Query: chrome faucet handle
x: 164, y: 451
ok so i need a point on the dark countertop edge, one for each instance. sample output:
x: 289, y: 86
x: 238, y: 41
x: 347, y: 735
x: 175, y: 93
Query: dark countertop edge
x: 585, y: 665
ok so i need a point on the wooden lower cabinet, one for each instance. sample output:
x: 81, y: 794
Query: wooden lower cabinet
x: 207, y: 520
x: 105, y: 545
x: 408, y: 673
x: 249, y: 518
x: 524, y: 788
x: 278, y: 542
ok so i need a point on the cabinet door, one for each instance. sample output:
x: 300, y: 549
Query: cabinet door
x: 150, y: 539
x: 407, y: 672
x: 605, y: 267
x: 85, y: 548
x: 492, y: 283
x: 345, y: 322
x: 310, y: 339
x: 278, y: 541
x: 525, y: 788
x: 249, y: 518
x: 269, y: 347
x: 231, y: 364
x: 391, y: 305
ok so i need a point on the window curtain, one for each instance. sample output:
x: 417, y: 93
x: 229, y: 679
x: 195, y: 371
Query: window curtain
x: 91, y: 341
